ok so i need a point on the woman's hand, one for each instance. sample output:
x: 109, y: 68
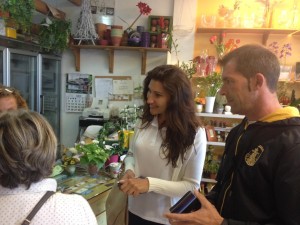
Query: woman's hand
x: 206, y: 215
x: 134, y: 186
x: 128, y: 174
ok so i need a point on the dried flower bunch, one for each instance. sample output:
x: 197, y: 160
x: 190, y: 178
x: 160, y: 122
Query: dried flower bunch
x: 223, y: 48
x: 70, y: 156
x: 282, y: 52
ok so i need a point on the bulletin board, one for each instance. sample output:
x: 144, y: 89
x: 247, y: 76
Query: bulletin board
x: 114, y: 88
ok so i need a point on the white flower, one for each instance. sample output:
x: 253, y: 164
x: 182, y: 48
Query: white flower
x: 95, y: 141
x: 73, y: 150
x: 82, y: 142
x: 108, y: 147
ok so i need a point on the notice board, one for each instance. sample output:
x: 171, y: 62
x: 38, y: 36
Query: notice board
x: 114, y: 88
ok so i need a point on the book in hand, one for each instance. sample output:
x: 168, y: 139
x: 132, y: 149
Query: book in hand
x: 188, y: 203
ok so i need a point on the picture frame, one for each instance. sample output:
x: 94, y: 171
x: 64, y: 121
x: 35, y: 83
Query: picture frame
x: 211, y: 133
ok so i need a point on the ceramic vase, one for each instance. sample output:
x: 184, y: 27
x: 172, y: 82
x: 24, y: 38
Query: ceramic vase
x: 111, y: 159
x: 71, y: 169
x: 199, y: 108
x: 209, y: 104
x: 116, y: 35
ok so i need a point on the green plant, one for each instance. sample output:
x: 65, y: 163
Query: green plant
x: 54, y: 35
x: 213, y: 166
x: 210, y: 83
x: 92, y: 153
x: 20, y: 11
x: 115, y: 147
x: 189, y: 68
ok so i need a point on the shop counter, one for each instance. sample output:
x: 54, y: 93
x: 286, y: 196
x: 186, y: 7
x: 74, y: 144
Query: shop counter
x: 94, y: 189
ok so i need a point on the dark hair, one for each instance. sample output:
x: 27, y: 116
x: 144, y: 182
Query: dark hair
x: 252, y: 59
x: 12, y: 92
x: 27, y: 148
x: 181, y: 120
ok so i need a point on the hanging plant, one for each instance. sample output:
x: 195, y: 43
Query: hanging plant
x: 20, y: 13
x: 54, y: 35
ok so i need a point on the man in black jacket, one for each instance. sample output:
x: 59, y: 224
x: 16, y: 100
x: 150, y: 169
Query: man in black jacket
x: 259, y: 179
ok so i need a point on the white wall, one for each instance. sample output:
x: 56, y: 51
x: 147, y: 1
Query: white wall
x: 126, y: 63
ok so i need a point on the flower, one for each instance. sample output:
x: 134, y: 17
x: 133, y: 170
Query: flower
x: 222, y: 48
x: 210, y: 83
x: 92, y: 153
x: 70, y: 156
x: 144, y: 10
x: 199, y: 101
x: 282, y: 52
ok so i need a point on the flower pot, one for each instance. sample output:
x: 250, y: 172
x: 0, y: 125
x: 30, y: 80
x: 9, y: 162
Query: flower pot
x: 209, y: 104
x: 92, y: 169
x: 112, y: 158
x: 70, y: 169
x: 116, y: 41
x: 199, y: 108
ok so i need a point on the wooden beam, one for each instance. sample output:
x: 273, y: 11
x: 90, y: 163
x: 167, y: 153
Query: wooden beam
x: 43, y: 8
x: 76, y: 2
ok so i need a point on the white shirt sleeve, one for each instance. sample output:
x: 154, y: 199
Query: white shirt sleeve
x: 190, y: 173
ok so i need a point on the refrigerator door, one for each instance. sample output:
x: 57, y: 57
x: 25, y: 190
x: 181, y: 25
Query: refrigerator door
x: 22, y: 74
x: 1, y: 65
x: 49, y: 71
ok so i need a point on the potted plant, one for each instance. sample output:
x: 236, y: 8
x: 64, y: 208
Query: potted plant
x: 54, y: 35
x: 210, y: 84
x: 70, y: 158
x: 212, y: 168
x: 115, y: 147
x: 20, y: 13
x: 92, y: 154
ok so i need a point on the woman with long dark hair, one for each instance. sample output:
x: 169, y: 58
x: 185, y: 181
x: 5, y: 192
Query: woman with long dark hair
x: 167, y: 153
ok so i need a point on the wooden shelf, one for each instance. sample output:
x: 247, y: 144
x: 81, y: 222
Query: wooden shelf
x: 111, y: 51
x: 215, y: 143
x: 208, y: 180
x: 232, y: 116
x: 43, y: 8
x: 264, y: 31
x: 76, y: 2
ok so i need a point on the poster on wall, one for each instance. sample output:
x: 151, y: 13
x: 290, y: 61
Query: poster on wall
x: 79, y: 83
x: 103, y: 11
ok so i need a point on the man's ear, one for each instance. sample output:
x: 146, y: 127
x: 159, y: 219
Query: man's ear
x: 259, y: 80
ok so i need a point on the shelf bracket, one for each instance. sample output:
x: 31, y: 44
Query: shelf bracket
x: 144, y: 61
x: 76, y: 52
x: 265, y: 38
x: 111, y: 55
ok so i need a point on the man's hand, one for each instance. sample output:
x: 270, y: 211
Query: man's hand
x: 206, y: 215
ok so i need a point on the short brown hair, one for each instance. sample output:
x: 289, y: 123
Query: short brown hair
x: 27, y: 148
x: 12, y: 92
x: 252, y: 59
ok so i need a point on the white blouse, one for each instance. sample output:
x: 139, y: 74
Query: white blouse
x: 166, y: 184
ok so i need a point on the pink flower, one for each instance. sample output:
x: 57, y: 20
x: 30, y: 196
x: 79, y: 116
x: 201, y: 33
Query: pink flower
x: 144, y: 10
